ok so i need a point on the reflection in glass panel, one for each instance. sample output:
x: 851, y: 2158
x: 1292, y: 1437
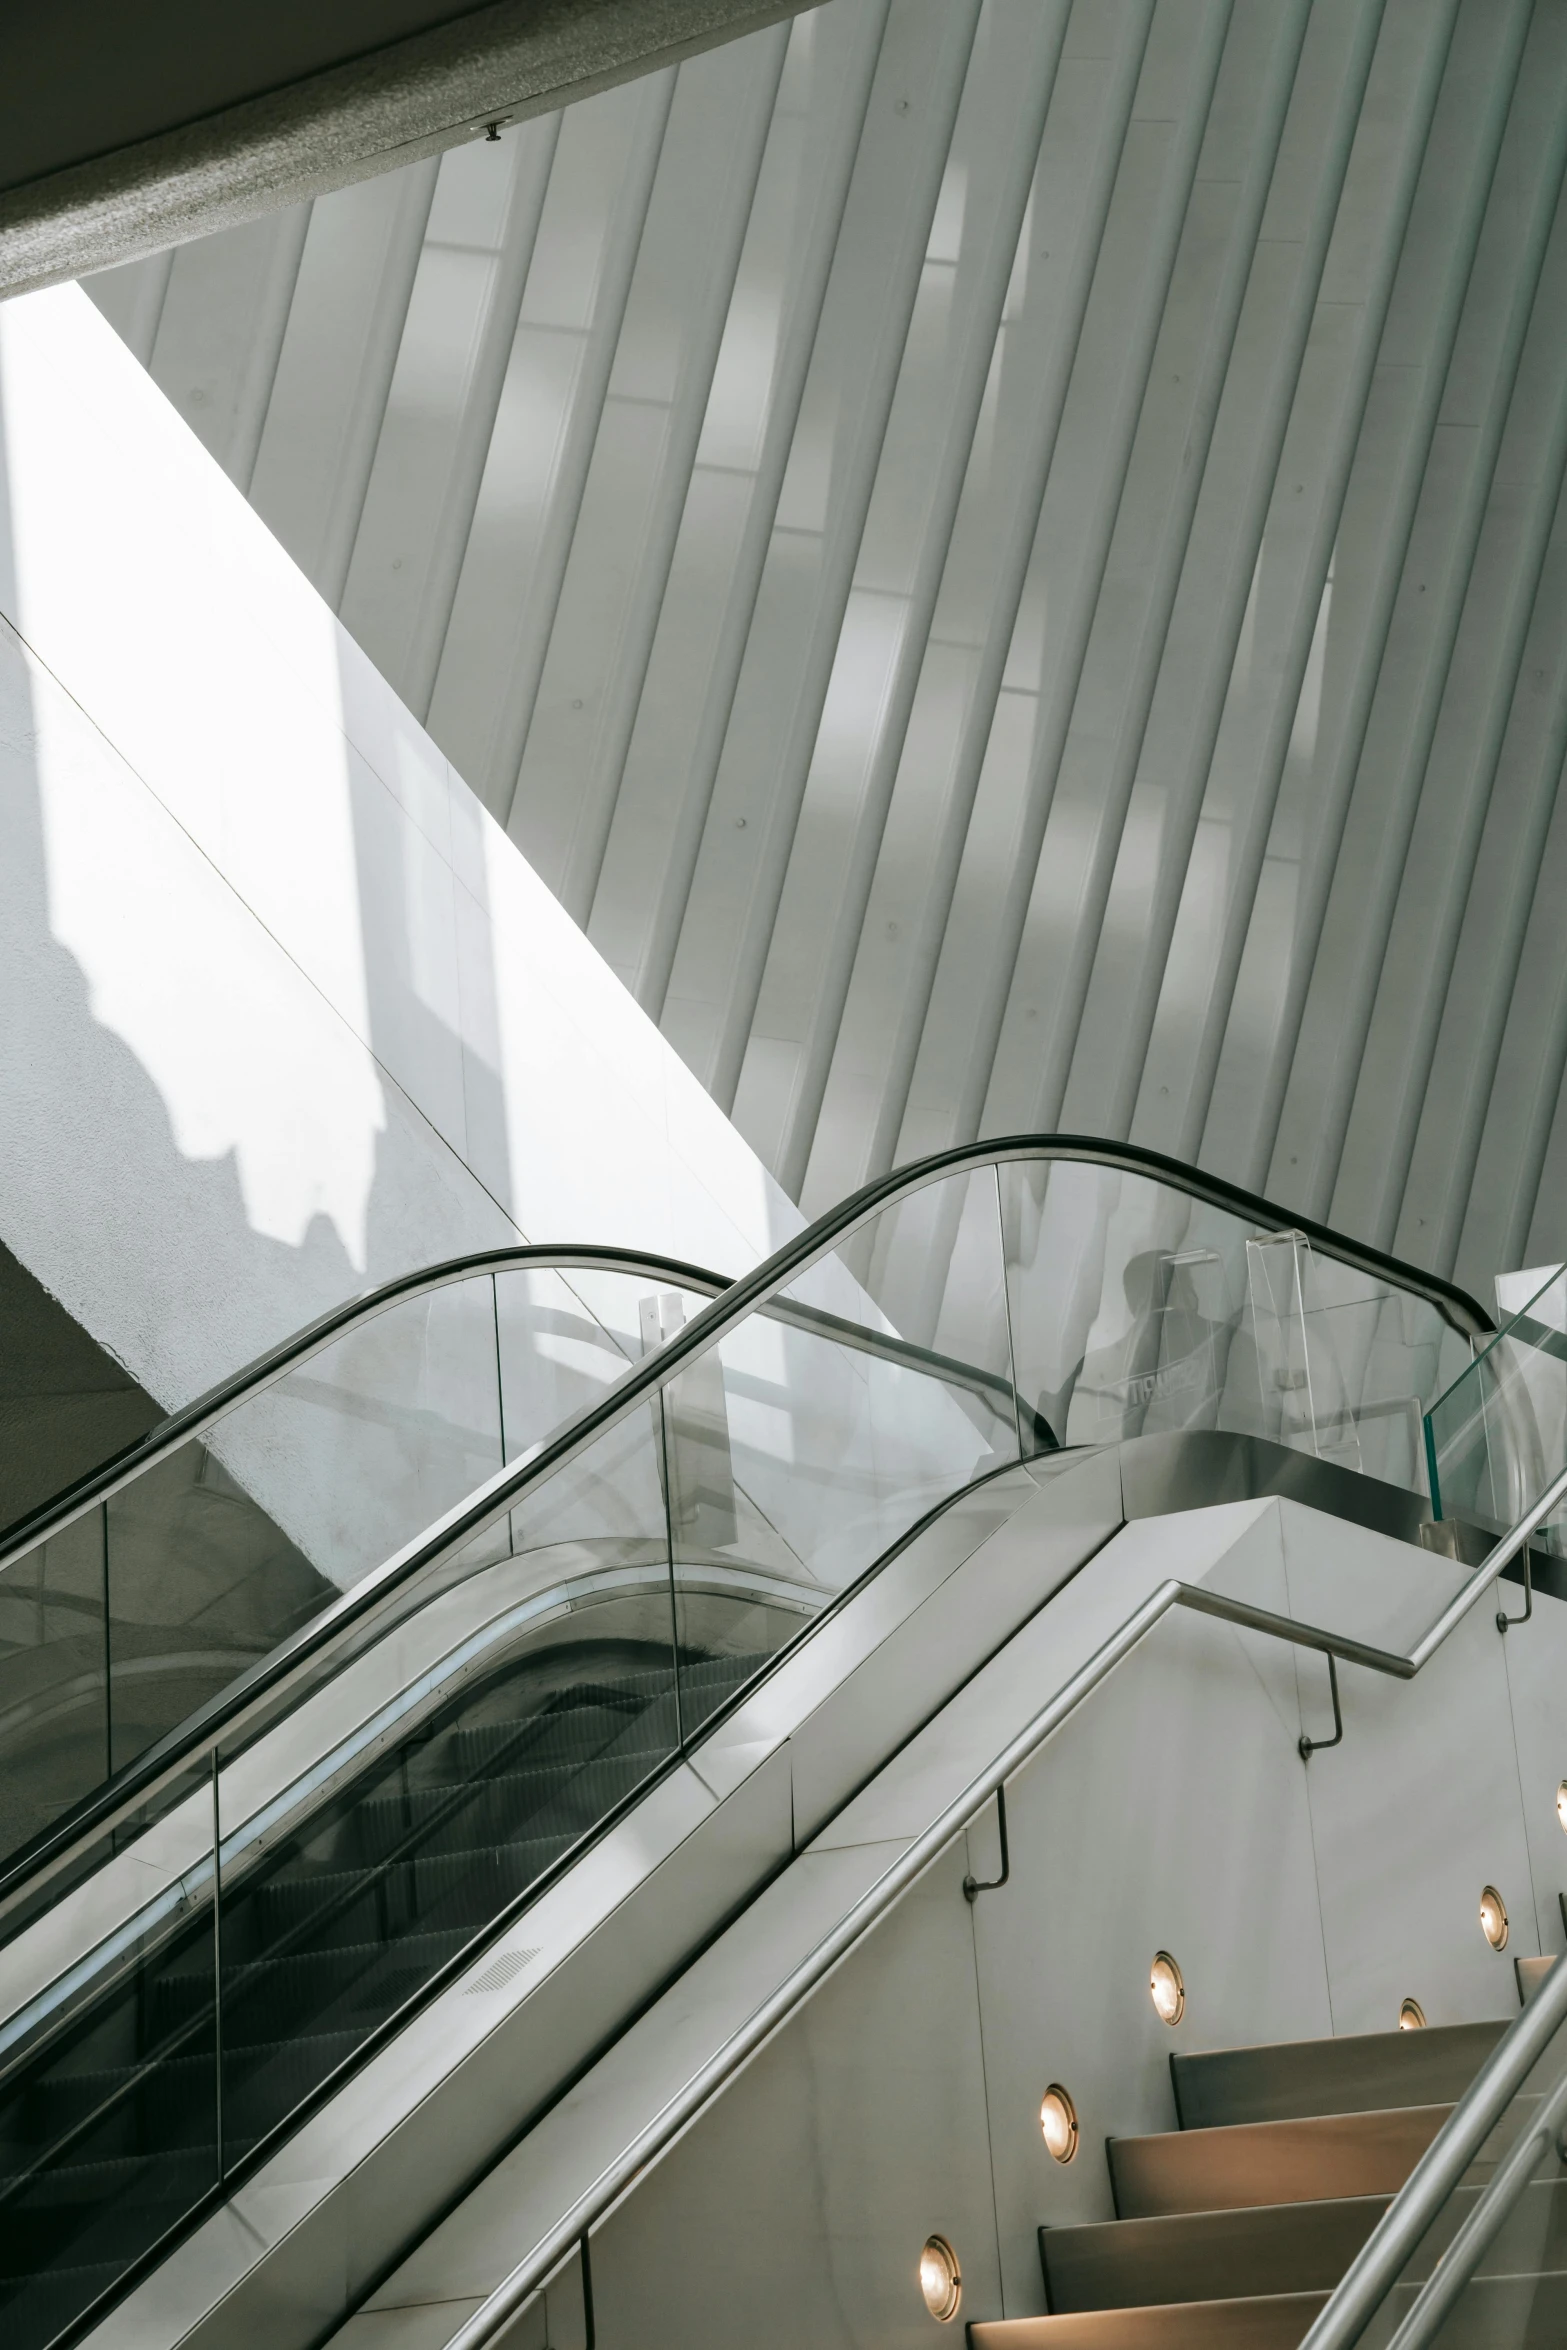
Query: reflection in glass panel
x: 372, y: 1439
x: 517, y: 1704
x: 202, y: 1582
x: 812, y: 1437
x: 1138, y: 1309
x: 565, y: 1339
x: 54, y: 1717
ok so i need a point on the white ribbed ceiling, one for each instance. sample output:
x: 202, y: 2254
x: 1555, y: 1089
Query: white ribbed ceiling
x: 1005, y: 559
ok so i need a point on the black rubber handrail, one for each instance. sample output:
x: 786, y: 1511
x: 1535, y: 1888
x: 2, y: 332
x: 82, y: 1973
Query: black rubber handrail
x: 254, y: 1378
x: 228, y: 1713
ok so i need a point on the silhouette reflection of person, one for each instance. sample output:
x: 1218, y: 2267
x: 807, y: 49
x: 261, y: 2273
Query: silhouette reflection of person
x: 1163, y: 1371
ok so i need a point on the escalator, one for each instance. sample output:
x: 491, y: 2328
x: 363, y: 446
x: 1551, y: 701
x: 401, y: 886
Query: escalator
x: 525, y: 1620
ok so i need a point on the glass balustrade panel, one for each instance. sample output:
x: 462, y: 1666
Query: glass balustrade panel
x: 124, y: 1624
x: 390, y: 1817
x: 1498, y: 1436
x: 1139, y: 1310
x: 108, y: 2093
x: 810, y: 1439
x: 565, y: 1339
x: 56, y: 1733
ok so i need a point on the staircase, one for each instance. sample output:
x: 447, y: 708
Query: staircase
x: 108, y: 2135
x: 1232, y: 2230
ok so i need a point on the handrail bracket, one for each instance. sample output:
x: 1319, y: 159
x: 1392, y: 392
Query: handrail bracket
x: 1311, y: 1746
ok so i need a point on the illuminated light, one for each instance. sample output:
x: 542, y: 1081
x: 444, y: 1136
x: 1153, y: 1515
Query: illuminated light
x: 1493, y: 1918
x: 1058, y: 2122
x: 1411, y: 2016
x: 1561, y: 1805
x: 941, y: 2280
x: 1166, y: 1989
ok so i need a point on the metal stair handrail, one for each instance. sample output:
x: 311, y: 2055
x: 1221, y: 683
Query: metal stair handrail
x: 1428, y: 2185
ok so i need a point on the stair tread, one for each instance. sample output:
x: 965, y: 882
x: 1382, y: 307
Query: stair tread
x: 1272, y: 2248
x: 1315, y: 2158
x: 1275, y: 2321
x: 1292, y: 2080
x: 1267, y: 2248
x: 1526, y: 2312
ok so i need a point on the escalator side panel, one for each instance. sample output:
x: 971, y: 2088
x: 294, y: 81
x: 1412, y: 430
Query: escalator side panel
x: 489, y: 2054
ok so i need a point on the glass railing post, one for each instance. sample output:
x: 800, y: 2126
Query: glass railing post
x: 1006, y: 1308
x: 500, y: 1383
x: 660, y: 1411
x: 102, y: 1515
x: 1433, y: 1475
x: 217, y: 1969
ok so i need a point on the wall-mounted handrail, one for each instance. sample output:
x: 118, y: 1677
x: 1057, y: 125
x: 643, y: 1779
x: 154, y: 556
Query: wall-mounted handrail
x: 238, y: 1706
x: 1527, y: 2038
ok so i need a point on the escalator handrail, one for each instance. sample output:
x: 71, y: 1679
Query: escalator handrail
x: 1407, y: 2219
x: 254, y: 1378
x: 227, y: 1714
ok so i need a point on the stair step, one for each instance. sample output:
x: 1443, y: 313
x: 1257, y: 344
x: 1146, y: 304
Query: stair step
x: 1268, y: 2248
x: 1363, y: 2073
x: 1531, y: 1974
x: 1326, y: 2157
x: 1273, y: 2248
x: 1277, y: 2322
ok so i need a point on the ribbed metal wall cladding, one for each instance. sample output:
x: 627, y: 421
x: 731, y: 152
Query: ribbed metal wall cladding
x: 1004, y: 557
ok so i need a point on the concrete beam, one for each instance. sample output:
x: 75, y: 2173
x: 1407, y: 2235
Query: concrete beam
x: 125, y: 133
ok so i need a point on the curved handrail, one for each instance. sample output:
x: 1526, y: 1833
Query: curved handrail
x: 254, y: 1378
x: 240, y: 1702
x: 1373, y: 2270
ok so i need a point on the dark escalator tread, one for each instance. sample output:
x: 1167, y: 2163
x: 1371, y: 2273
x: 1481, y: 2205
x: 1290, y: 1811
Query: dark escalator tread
x: 1360, y: 2073
x: 384, y: 1822
x: 445, y: 1890
x: 63, y: 2101
x: 53, y: 2299
x: 120, y: 2180
x: 420, y: 1861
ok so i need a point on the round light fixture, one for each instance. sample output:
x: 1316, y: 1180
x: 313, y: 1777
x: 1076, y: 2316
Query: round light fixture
x: 941, y: 2280
x: 1493, y: 1918
x: 1411, y: 2016
x: 1166, y: 1989
x: 1561, y: 1805
x: 1058, y: 2122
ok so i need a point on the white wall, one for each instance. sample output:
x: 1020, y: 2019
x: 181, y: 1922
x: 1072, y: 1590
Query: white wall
x: 282, y: 1012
